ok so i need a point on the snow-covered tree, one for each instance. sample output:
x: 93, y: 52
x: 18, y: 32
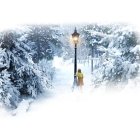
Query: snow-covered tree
x: 19, y: 75
x: 44, y: 41
x: 114, y: 58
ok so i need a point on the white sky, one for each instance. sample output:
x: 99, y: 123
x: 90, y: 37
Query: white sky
x: 67, y: 11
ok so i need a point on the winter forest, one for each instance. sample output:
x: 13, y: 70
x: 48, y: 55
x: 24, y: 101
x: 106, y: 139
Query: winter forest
x: 28, y: 52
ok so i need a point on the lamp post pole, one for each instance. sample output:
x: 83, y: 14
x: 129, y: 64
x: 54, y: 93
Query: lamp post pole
x: 92, y: 59
x: 75, y: 38
x: 75, y: 64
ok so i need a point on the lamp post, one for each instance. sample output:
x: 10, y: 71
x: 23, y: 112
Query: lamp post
x: 75, y: 39
x: 92, y: 55
x: 93, y: 51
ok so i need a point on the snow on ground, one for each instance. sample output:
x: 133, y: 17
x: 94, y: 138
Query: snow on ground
x: 66, y: 115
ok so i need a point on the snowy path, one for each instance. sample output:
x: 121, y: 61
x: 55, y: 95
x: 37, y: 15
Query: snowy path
x: 67, y: 115
x: 64, y: 77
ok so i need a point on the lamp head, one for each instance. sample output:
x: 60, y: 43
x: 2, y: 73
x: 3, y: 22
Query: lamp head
x: 75, y: 37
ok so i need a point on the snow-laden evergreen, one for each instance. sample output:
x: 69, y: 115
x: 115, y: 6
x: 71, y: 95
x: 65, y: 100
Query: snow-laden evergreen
x: 44, y: 41
x: 20, y: 77
x: 116, y: 54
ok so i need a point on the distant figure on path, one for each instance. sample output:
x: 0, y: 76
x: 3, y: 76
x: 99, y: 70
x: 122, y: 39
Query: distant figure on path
x: 80, y: 77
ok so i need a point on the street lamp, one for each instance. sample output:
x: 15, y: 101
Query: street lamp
x: 75, y: 39
x: 93, y: 51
